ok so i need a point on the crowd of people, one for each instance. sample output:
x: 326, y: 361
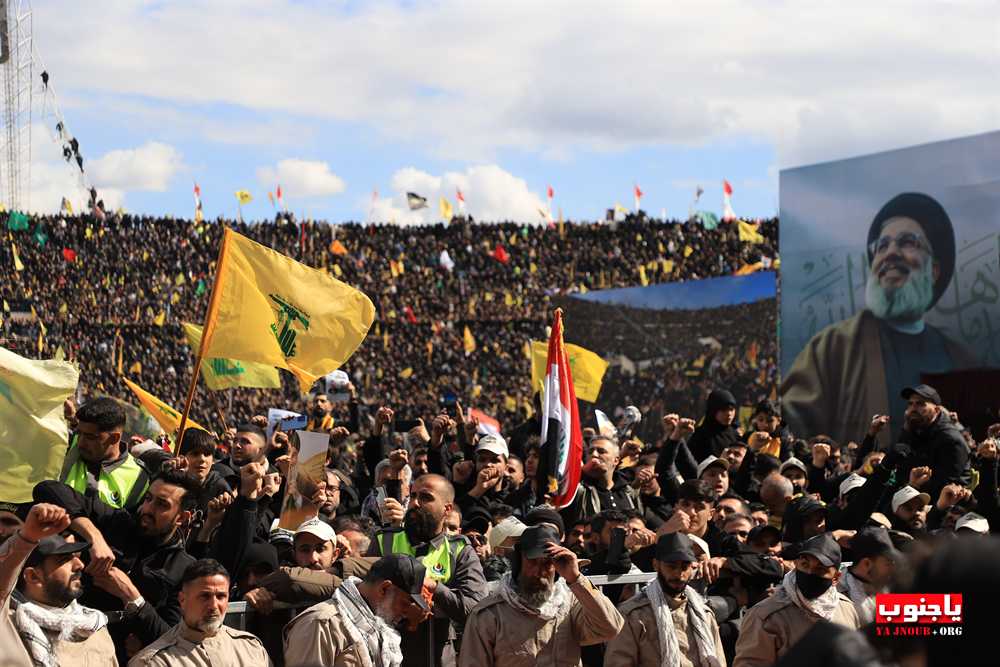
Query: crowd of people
x: 112, y: 295
x: 438, y: 545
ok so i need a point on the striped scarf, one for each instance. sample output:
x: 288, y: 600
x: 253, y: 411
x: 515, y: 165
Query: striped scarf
x: 41, y: 628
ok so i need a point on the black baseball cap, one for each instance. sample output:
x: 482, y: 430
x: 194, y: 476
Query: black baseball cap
x: 55, y: 545
x: 924, y: 391
x: 756, y: 567
x: 405, y: 572
x: 535, y: 540
x: 673, y: 547
x: 824, y: 548
x: 873, y: 541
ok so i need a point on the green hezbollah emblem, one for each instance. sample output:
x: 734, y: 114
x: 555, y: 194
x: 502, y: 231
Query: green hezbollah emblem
x: 283, y: 329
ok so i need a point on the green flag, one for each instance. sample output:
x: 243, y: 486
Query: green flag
x: 17, y: 221
x: 33, y: 431
x: 200, y: 289
x: 41, y: 238
x: 225, y: 373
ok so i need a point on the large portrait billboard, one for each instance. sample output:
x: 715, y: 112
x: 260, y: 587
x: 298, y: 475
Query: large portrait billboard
x: 890, y: 272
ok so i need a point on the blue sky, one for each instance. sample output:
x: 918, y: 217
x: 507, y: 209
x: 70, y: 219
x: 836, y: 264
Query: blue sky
x: 333, y: 99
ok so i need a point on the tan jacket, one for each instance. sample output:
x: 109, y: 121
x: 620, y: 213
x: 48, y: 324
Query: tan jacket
x: 182, y: 646
x: 317, y: 637
x: 497, y: 635
x: 96, y: 651
x: 771, y: 627
x: 638, y: 644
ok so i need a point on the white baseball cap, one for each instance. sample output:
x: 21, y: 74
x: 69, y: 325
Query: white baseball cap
x: 977, y: 523
x: 793, y: 463
x: 851, y: 482
x: 702, y: 544
x: 905, y: 495
x: 500, y: 533
x: 712, y: 461
x: 493, y: 443
x: 317, y: 528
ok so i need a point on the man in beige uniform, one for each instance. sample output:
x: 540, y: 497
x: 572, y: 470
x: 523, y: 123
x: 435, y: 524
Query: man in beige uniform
x: 50, y: 628
x: 668, y: 622
x: 807, y: 594
x: 534, y: 620
x: 354, y: 627
x: 200, y: 639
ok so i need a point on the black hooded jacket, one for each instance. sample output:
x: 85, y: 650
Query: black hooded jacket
x: 712, y: 437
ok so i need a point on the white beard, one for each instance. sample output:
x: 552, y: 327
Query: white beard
x: 211, y: 627
x: 907, y: 303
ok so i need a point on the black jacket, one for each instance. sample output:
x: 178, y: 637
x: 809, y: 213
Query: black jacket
x: 712, y: 437
x: 154, y: 569
x: 941, y: 447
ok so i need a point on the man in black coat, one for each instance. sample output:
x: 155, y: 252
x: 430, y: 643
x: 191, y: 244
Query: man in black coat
x: 935, y: 440
x: 136, y: 560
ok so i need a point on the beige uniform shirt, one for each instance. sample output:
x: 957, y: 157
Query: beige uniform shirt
x: 96, y: 651
x: 773, y: 626
x: 317, y: 637
x: 182, y: 646
x: 638, y: 644
x: 498, y: 635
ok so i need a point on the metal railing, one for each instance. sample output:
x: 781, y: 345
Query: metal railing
x: 236, y: 615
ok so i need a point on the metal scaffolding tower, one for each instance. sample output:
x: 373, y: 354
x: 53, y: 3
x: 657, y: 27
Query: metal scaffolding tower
x: 16, y: 73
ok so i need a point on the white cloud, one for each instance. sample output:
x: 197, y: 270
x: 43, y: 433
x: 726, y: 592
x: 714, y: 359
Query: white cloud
x: 149, y: 167
x: 491, y: 195
x: 817, y: 80
x: 301, y: 178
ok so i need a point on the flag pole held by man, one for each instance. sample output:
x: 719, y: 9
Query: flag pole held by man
x: 267, y: 308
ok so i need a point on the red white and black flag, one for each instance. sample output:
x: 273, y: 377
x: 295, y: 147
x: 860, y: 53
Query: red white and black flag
x: 561, y: 455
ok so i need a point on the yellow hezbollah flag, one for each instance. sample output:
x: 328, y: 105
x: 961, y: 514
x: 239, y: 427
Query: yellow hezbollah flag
x: 244, y: 197
x: 749, y: 233
x: 33, y: 432
x: 446, y: 212
x: 268, y: 308
x: 160, y: 318
x: 225, y: 373
x: 587, y: 369
x: 168, y: 418
x: 468, y: 342
x: 18, y: 266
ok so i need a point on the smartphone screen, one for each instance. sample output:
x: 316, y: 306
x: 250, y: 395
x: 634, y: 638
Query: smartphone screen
x: 394, y: 489
x: 617, y: 547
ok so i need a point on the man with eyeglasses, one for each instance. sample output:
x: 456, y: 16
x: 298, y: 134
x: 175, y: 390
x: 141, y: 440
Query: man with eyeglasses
x: 855, y: 368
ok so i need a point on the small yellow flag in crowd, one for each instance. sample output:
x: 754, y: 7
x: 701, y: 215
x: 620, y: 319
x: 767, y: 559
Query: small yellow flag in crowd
x: 587, y: 369
x: 468, y: 342
x: 33, y: 432
x: 168, y: 418
x: 225, y: 373
x: 749, y: 233
x: 446, y: 212
x: 268, y: 308
x: 244, y: 197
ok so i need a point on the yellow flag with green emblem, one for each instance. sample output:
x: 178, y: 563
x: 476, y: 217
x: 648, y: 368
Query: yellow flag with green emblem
x: 587, y: 369
x: 224, y: 373
x: 33, y: 431
x: 168, y: 418
x: 267, y: 308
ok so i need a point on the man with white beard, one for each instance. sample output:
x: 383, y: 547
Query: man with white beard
x: 356, y: 626
x: 201, y: 638
x: 534, y: 619
x: 855, y: 369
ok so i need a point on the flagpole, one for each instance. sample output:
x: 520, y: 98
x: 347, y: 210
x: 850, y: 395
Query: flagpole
x: 206, y: 334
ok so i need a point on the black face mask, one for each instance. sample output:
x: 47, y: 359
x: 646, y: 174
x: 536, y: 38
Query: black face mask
x: 811, y: 585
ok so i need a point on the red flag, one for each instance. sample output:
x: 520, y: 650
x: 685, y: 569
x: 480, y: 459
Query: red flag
x: 638, y: 193
x: 551, y: 192
x: 561, y: 455
x: 277, y: 193
x: 410, y: 317
x: 197, y: 191
x: 726, y: 187
x: 459, y: 196
x: 69, y: 254
x: 500, y: 254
